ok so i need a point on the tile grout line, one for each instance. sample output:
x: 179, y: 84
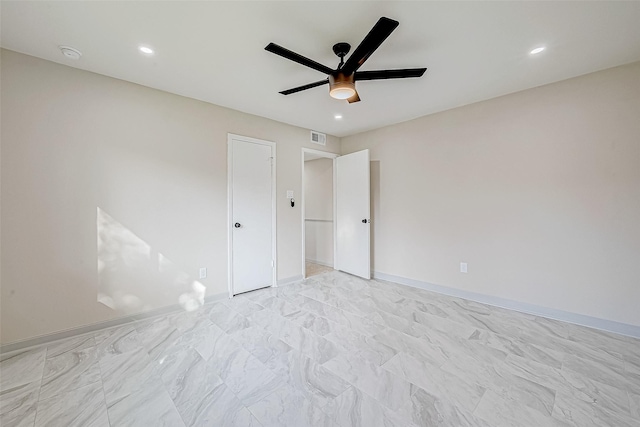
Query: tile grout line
x: 286, y: 380
x: 239, y: 345
x: 154, y: 371
x: 104, y: 393
x: 164, y: 388
x: 46, y: 351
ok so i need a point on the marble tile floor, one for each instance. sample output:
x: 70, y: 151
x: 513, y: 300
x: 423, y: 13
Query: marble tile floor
x: 333, y: 350
x: 313, y: 269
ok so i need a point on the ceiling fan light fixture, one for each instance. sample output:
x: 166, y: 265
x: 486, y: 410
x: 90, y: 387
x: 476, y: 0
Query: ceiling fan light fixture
x: 341, y: 86
x: 342, y: 92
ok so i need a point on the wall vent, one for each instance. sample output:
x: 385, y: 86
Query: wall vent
x: 318, y: 138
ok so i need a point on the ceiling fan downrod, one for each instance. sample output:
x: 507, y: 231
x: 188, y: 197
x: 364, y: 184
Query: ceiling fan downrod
x: 341, y: 49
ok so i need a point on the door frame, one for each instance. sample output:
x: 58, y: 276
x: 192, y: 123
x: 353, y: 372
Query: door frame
x: 274, y: 254
x: 326, y: 155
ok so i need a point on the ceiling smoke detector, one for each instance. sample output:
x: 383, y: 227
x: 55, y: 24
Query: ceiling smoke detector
x: 70, y: 52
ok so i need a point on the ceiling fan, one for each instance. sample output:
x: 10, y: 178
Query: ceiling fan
x: 342, y: 80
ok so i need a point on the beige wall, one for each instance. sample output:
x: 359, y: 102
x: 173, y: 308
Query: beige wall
x: 318, y: 200
x: 114, y: 188
x: 110, y: 186
x: 538, y: 191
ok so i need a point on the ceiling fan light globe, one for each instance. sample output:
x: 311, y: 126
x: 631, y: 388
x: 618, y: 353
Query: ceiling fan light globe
x: 341, y: 86
x: 342, y: 92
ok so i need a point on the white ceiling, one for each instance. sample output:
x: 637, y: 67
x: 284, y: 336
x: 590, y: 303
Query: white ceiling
x: 214, y: 51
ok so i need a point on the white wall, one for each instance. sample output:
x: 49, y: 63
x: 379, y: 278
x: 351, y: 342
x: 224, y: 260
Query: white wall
x: 111, y: 185
x: 318, y: 198
x: 538, y: 191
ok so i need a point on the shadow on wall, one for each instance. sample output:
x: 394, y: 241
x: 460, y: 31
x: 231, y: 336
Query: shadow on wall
x: 133, y: 278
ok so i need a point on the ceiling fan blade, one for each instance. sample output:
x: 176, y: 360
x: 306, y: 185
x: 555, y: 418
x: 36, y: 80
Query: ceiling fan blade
x: 286, y: 53
x: 305, y: 87
x: 389, y: 74
x: 354, y: 98
x: 383, y: 28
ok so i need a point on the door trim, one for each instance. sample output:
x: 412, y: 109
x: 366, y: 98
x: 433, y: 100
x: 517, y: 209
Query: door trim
x: 274, y: 254
x: 325, y: 155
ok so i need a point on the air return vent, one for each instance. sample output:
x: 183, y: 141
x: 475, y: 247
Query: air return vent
x: 318, y: 138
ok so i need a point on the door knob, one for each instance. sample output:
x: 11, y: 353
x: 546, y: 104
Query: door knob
x: 364, y: 221
x: 237, y: 225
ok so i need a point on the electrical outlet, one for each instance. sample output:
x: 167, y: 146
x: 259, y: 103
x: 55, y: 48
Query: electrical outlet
x: 203, y: 273
x: 463, y: 267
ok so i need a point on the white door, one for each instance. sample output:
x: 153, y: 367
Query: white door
x: 251, y: 214
x: 352, y: 214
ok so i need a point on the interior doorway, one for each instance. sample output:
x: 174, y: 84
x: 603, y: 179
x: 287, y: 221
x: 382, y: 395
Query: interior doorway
x: 318, y: 211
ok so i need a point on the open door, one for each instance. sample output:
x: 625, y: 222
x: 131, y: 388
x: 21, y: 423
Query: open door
x: 353, y: 254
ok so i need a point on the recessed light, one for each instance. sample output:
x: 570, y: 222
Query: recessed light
x: 146, y: 50
x: 537, y: 50
x: 337, y: 116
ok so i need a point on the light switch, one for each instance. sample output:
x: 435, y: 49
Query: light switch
x: 289, y: 194
x: 463, y: 267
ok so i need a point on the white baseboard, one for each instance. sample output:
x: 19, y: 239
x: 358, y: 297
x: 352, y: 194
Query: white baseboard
x: 290, y: 280
x: 18, y: 346
x: 326, y: 264
x: 551, y: 313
